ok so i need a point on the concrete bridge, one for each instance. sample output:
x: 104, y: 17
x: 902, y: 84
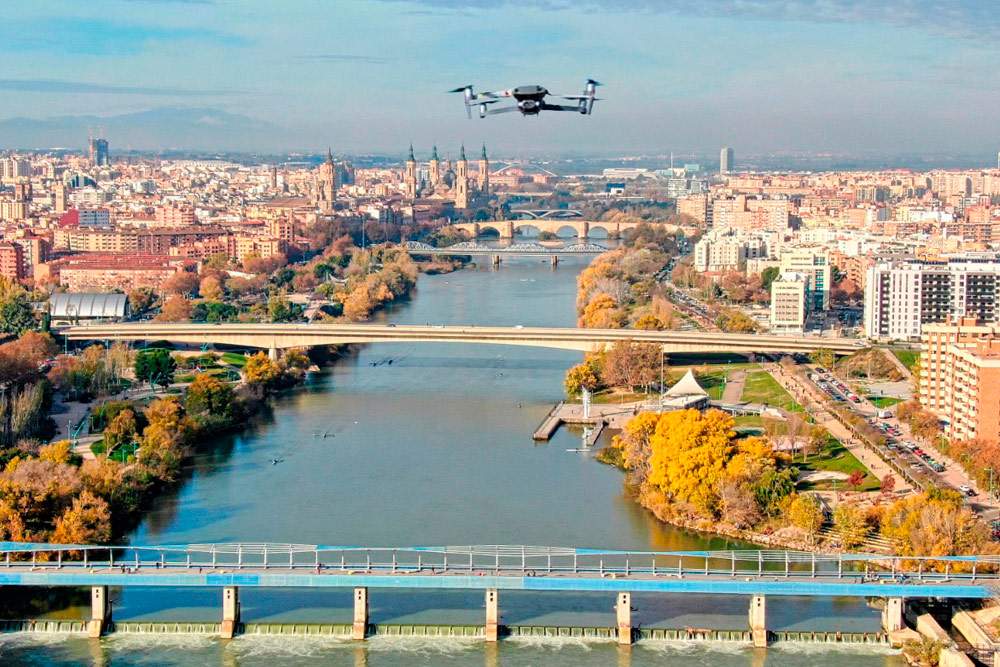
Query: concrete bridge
x: 580, y: 228
x: 476, y: 249
x: 492, y: 569
x: 274, y: 337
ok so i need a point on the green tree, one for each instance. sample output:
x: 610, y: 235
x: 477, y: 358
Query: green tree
x: 16, y: 314
x: 155, y: 366
x: 120, y: 431
x: 209, y: 398
x: 278, y: 308
x: 768, y: 276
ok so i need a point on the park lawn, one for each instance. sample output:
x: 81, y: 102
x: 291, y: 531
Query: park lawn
x: 881, y: 402
x: 234, y: 359
x: 760, y: 387
x: 613, y: 396
x: 834, y: 457
x: 713, y: 382
x: 908, y: 358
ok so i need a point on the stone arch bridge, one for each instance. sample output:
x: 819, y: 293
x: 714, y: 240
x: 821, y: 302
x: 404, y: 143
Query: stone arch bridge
x: 581, y: 228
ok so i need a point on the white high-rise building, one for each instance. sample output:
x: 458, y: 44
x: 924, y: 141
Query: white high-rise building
x: 902, y: 296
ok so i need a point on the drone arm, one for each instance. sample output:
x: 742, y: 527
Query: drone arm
x: 560, y: 107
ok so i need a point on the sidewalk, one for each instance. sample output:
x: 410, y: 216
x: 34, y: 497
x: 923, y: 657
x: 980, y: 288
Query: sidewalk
x: 808, y: 398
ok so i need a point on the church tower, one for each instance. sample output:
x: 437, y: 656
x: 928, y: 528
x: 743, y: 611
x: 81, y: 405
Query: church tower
x: 484, y: 174
x: 435, y: 169
x: 327, y: 187
x: 462, y: 181
x: 411, y: 176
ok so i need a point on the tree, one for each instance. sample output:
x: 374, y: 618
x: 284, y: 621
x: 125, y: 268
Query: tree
x: 856, y: 479
x: 850, y: 525
x: 209, y: 398
x: 278, y: 308
x: 120, y: 431
x: 733, y: 321
x: 140, y: 300
x: 692, y: 452
x: 630, y: 364
x: 211, y: 288
x: 579, y: 377
x: 649, y: 322
x: 806, y: 514
x: 888, y: 483
x: 155, y: 366
x: 176, y: 308
x: 768, y: 276
x: 87, y: 521
x: 57, y: 452
x: 183, y: 282
x: 259, y: 369
x: 825, y: 357
x: 16, y: 313
x: 934, y: 524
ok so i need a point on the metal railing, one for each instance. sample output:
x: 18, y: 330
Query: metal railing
x: 503, y: 560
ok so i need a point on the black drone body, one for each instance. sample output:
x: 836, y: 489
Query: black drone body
x: 529, y: 100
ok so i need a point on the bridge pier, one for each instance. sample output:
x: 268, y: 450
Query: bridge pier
x: 554, y: 260
x: 496, y: 260
x: 272, y: 353
x: 492, y: 615
x: 230, y: 612
x: 623, y: 612
x: 892, y: 615
x: 360, y: 628
x: 758, y: 621
x: 100, y: 611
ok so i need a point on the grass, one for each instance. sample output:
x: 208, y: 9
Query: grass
x: 713, y: 382
x: 834, y: 457
x: 760, y: 387
x: 612, y: 396
x: 908, y: 358
x: 881, y: 402
x: 234, y: 359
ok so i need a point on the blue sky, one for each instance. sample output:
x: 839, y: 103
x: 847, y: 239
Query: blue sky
x: 907, y: 76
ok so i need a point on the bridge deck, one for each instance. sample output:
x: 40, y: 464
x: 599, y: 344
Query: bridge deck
x: 270, y: 336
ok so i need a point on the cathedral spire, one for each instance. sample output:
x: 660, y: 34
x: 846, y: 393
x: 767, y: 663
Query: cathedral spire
x: 461, y: 155
x: 484, y: 152
x: 434, y: 153
x: 411, y: 158
x: 329, y: 155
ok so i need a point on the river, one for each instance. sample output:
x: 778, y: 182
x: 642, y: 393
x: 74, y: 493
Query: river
x: 432, y: 449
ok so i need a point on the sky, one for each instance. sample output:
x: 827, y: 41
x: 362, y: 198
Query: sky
x: 841, y: 76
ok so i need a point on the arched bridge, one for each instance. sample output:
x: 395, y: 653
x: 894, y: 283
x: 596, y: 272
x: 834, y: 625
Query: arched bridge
x: 473, y: 249
x: 283, y: 336
x: 581, y: 228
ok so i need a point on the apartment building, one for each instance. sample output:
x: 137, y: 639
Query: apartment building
x: 960, y: 377
x: 903, y: 296
x: 790, y: 302
x: 814, y: 264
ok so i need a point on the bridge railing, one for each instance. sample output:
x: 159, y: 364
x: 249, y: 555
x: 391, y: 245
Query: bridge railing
x: 502, y: 560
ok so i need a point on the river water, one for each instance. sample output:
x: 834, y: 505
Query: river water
x: 432, y: 449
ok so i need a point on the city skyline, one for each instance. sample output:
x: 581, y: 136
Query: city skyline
x: 916, y: 77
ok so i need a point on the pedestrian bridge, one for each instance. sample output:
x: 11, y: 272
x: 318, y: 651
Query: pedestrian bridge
x: 492, y: 569
x: 275, y: 337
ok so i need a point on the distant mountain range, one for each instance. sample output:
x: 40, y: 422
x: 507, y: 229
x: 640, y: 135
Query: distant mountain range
x: 155, y: 129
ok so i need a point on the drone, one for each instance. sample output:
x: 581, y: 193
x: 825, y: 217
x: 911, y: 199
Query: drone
x: 530, y: 100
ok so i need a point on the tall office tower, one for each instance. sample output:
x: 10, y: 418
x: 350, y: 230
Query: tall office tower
x: 726, y: 160
x: 100, y: 156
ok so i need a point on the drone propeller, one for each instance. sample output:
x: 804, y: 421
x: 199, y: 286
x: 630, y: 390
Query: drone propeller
x: 461, y: 89
x: 594, y: 83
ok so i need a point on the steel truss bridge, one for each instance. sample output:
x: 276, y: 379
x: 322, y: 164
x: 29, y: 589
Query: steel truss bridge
x: 763, y: 572
x: 473, y: 248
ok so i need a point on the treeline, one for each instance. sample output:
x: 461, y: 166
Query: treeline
x: 691, y: 468
x: 620, y: 288
x: 49, y: 494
